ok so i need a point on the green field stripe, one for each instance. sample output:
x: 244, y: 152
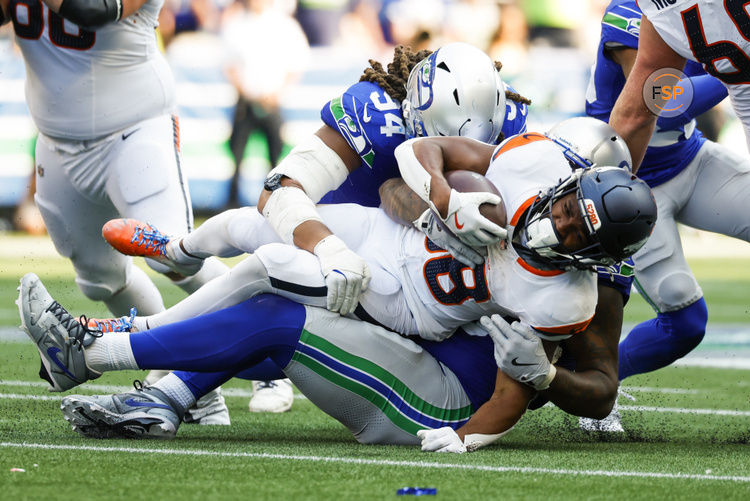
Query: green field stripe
x: 386, y: 378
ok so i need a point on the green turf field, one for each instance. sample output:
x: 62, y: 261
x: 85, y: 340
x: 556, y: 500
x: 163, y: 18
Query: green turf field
x: 687, y: 432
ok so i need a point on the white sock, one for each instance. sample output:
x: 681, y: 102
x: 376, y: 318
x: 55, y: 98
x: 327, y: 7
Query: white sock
x: 174, y: 388
x: 111, y: 352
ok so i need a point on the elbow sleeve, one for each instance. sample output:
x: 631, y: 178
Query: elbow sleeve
x: 91, y: 13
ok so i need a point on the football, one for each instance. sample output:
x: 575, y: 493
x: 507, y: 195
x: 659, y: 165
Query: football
x: 465, y: 181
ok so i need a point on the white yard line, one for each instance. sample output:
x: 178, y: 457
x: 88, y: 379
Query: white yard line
x: 379, y: 462
x: 681, y: 410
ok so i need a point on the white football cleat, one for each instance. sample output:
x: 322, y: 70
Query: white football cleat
x: 272, y: 396
x: 210, y: 409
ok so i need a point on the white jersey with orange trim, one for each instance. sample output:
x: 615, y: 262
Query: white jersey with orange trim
x: 83, y: 84
x: 444, y: 294
x: 715, y: 33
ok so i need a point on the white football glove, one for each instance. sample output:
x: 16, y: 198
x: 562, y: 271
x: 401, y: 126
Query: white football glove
x: 347, y: 275
x: 429, y: 224
x: 443, y: 439
x: 465, y: 221
x: 519, y: 352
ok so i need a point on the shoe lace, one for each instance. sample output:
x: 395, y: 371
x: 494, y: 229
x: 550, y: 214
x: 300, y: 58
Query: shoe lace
x: 262, y: 385
x: 121, y: 324
x: 150, y: 238
x: 138, y: 385
x: 77, y: 329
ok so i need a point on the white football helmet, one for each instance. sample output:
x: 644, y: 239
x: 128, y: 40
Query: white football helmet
x: 455, y: 91
x: 587, y: 141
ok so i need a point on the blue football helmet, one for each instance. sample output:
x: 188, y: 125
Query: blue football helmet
x: 455, y: 91
x: 618, y: 210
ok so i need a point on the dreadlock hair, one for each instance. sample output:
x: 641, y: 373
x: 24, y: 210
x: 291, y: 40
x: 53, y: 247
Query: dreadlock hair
x: 393, y: 81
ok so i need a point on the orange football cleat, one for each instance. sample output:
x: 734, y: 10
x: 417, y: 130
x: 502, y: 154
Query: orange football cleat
x: 135, y: 238
x: 122, y: 324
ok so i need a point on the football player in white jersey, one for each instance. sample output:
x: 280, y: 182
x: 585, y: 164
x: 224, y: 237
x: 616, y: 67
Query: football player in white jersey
x: 559, y: 230
x: 102, y: 97
x: 715, y: 33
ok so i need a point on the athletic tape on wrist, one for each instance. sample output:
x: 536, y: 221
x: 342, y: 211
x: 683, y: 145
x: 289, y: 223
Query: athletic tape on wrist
x: 414, y: 174
x: 328, y: 246
x: 474, y: 441
x: 287, y: 208
x: 547, y: 380
x: 315, y: 166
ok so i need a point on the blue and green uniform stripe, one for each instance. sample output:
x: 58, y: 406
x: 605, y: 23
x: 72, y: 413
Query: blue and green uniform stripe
x: 401, y: 405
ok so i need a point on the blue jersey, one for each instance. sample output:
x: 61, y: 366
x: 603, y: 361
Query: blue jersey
x: 669, y: 151
x: 372, y: 123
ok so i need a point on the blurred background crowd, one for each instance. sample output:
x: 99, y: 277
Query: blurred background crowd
x: 252, y: 76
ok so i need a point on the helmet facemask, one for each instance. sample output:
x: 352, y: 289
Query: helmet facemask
x: 539, y: 242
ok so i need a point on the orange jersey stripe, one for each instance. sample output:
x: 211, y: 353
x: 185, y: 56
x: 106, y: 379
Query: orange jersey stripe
x: 521, y: 210
x: 565, y: 330
x: 520, y: 140
x: 536, y: 271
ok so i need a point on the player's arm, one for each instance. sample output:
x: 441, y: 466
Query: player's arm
x: 707, y: 90
x: 312, y: 169
x: 630, y: 117
x: 94, y: 14
x: 406, y: 208
x: 491, y: 421
x: 422, y: 163
x: 591, y: 390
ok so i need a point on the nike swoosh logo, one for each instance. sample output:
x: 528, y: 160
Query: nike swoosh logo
x: 140, y: 403
x: 52, y: 352
x: 455, y: 219
x: 519, y: 364
x: 125, y: 136
x: 365, y: 117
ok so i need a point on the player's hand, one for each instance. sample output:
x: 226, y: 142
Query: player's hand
x: 465, y: 221
x: 429, y: 224
x: 346, y: 274
x: 443, y: 439
x: 519, y: 352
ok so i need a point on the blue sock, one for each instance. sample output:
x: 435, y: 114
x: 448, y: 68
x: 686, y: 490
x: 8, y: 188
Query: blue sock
x: 228, y: 340
x: 658, y: 342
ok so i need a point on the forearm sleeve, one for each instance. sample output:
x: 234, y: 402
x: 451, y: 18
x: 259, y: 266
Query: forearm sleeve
x: 91, y: 14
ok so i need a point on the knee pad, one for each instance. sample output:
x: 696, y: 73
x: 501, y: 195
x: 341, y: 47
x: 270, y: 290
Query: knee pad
x: 676, y: 291
x: 98, y: 291
x: 686, y: 326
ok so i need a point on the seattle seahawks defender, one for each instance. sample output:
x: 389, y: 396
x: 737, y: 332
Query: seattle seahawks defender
x: 695, y: 182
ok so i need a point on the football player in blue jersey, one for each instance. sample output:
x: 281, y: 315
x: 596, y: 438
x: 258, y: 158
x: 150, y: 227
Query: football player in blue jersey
x: 695, y: 182
x: 455, y: 90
